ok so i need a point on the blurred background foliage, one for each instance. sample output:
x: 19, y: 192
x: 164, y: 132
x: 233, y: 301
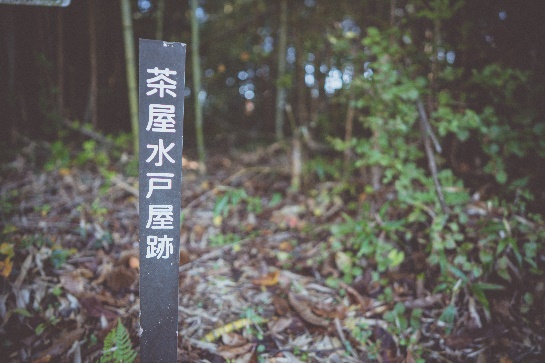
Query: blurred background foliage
x: 352, y: 74
x: 427, y: 115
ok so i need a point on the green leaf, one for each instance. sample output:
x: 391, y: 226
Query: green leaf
x: 448, y: 316
x: 501, y: 176
x: 221, y: 205
x: 458, y: 273
x: 117, y: 346
x: 22, y: 312
x: 485, y: 286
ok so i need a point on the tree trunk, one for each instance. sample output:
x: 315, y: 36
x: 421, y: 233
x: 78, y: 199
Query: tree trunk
x: 8, y: 35
x: 280, y: 87
x: 128, y: 39
x: 349, y: 125
x: 60, y: 64
x: 93, y: 101
x: 160, y: 19
x: 195, y: 58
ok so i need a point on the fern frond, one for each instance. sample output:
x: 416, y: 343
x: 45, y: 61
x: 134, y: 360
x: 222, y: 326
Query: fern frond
x: 117, y: 346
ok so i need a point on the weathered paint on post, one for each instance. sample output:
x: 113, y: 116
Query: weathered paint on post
x: 161, y: 108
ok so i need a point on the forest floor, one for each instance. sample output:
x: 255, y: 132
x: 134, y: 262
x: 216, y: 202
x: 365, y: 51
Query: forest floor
x: 259, y: 278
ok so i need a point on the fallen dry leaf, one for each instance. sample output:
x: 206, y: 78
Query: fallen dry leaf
x: 364, y: 302
x: 229, y: 352
x: 286, y: 246
x: 305, y: 312
x: 409, y: 358
x: 269, y: 279
x: 5, y: 267
x: 121, y: 278
x: 74, y: 281
x: 279, y: 325
x: 233, y: 339
x: 95, y: 308
x: 59, y: 346
x: 281, y: 307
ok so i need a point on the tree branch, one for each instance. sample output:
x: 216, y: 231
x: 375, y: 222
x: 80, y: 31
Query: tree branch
x: 426, y: 136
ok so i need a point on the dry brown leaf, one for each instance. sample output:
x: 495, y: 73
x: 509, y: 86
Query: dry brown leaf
x: 505, y: 359
x: 409, y: 358
x: 129, y: 258
x: 364, y: 302
x: 59, y: 346
x: 233, y: 339
x: 5, y: 267
x: 95, y: 308
x: 286, y: 246
x: 269, y: 279
x: 250, y: 357
x: 305, y: 312
x: 330, y: 311
x: 184, y: 257
x: 134, y: 262
x: 228, y: 352
x: 74, y: 281
x: 279, y: 325
x: 121, y: 278
x: 281, y: 306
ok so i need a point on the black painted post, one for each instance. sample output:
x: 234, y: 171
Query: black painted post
x: 161, y: 109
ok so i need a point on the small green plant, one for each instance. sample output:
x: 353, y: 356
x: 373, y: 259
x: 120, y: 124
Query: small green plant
x: 234, y: 197
x: 117, y: 346
x: 60, y: 156
x: 221, y: 239
x: 59, y: 255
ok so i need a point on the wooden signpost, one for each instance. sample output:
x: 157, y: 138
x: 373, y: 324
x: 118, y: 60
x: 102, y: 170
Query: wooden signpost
x: 161, y: 109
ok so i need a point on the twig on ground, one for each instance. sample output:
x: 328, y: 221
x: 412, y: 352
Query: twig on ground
x: 212, y: 254
x: 346, y: 343
x: 124, y: 185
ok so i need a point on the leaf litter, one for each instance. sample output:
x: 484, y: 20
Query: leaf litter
x: 253, y: 276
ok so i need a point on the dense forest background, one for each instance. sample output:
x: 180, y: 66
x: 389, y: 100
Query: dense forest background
x: 399, y: 144
x: 485, y: 58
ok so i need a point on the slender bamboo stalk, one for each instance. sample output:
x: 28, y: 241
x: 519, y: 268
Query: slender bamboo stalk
x: 60, y: 63
x: 160, y: 19
x: 128, y: 39
x: 93, y: 93
x: 196, y: 64
x: 280, y: 88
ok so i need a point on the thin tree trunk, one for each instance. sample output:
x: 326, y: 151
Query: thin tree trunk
x: 93, y: 101
x: 349, y: 125
x: 296, y: 162
x: 160, y: 19
x: 302, y: 92
x: 7, y: 28
x: 128, y: 39
x: 195, y: 58
x: 302, y: 116
x: 376, y: 170
x: 280, y: 88
x: 60, y: 63
x: 296, y: 151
